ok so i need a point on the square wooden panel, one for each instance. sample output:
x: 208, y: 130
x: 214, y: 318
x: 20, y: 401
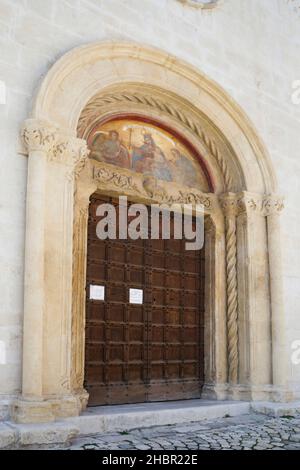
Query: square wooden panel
x: 156, y: 244
x: 157, y: 315
x: 191, y: 281
x: 135, y: 256
x: 135, y: 372
x: 157, y: 277
x: 156, y: 335
x: 97, y: 272
x: 95, y: 331
x: 191, y: 317
x: 97, y: 251
x: 116, y: 273
x: 136, y: 352
x: 115, y: 312
x: 174, y: 262
x: 136, y: 333
x: 174, y: 279
x: 116, y: 332
x: 116, y: 253
x: 157, y: 352
x: 94, y: 373
x: 94, y: 352
x: 115, y: 353
x: 135, y: 314
x: 114, y: 373
x: 173, y: 316
x: 157, y: 296
x: 174, y: 297
x: 191, y: 264
x: 135, y: 276
x: 117, y: 293
x: 96, y: 311
x: 173, y: 334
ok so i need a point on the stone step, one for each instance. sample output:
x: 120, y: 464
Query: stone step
x: 118, y: 418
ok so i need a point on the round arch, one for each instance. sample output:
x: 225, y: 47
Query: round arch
x: 242, y: 318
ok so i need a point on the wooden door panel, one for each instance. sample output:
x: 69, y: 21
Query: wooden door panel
x: 149, y: 352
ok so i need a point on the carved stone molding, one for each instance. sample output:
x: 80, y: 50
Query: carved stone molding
x: 260, y: 205
x: 251, y: 203
x: 92, y: 109
x: 147, y: 187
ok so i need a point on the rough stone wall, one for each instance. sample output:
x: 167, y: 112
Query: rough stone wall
x: 251, y: 48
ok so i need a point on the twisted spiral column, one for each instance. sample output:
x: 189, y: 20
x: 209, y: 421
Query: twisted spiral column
x: 229, y: 205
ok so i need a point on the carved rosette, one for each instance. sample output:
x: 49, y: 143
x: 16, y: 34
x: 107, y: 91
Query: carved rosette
x: 230, y: 208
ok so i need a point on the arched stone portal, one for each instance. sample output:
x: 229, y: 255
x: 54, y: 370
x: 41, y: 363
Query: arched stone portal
x: 244, y: 320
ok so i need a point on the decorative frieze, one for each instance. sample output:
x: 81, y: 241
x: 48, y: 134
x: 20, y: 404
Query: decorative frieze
x: 148, y: 187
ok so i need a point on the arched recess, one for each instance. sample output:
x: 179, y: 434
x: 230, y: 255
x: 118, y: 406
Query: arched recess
x: 243, y: 294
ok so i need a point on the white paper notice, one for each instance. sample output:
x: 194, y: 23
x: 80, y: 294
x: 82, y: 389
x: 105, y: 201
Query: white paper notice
x: 97, y: 292
x: 136, y: 296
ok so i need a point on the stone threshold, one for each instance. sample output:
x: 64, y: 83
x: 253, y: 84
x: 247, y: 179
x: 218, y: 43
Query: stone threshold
x: 118, y: 418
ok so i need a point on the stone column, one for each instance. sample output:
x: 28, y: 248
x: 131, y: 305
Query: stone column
x: 229, y: 205
x: 54, y: 160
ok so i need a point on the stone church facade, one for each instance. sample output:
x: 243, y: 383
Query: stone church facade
x: 220, y: 77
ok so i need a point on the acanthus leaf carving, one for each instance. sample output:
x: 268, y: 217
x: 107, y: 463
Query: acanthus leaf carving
x: 38, y: 136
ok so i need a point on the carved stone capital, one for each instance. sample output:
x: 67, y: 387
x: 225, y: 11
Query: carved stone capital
x: 69, y: 150
x: 229, y: 204
x: 38, y: 135
x: 263, y: 205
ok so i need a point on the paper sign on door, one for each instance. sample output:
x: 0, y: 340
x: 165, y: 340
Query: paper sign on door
x: 97, y: 292
x: 136, y: 296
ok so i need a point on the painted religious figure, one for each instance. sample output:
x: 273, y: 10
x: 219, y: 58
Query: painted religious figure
x: 147, y: 149
x: 110, y: 149
x: 150, y: 160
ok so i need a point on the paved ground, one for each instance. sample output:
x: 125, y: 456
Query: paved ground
x: 241, y: 433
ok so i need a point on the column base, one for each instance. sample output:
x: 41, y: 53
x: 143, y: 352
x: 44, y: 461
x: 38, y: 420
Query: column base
x: 29, y: 410
x: 215, y: 392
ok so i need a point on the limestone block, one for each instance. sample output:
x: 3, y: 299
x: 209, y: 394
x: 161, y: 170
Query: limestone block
x: 7, y: 436
x: 43, y: 434
x: 276, y: 409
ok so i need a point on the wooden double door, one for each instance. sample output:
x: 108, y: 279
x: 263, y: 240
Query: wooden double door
x: 149, y: 351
